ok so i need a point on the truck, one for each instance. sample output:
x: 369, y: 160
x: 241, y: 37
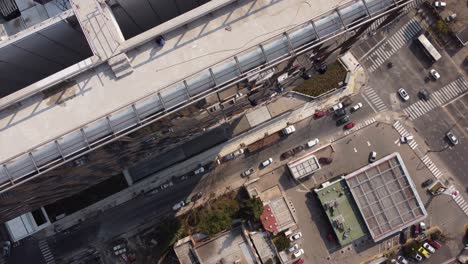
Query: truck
x: 264, y: 142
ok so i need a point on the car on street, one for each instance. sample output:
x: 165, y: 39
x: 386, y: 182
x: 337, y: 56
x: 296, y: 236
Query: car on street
x: 6, y: 248
x: 229, y: 157
x: 178, y: 205
x: 356, y: 107
x: 452, y: 138
x: 298, y: 253
x: 293, y: 248
x: 247, y: 172
x: 319, y: 114
x: 238, y: 152
x: 299, y: 261
x: 435, y: 244
x: 402, y: 260
x: 429, y: 247
x: 267, y: 162
x: 197, y: 196
x: 451, y: 17
x: 434, y: 74
x: 340, y: 112
x: 424, y: 94
x: 337, y: 106
x: 199, y: 170
x: 406, y: 139
x: 312, y: 143
x: 349, y: 125
x: 403, y: 94
x: 287, y: 154
x: 325, y: 160
x: 289, y: 130
x: 427, y: 182
x: 372, y: 156
x: 347, y: 101
x: 298, y: 149
x: 342, y: 121
x: 166, y: 185
x: 295, y: 236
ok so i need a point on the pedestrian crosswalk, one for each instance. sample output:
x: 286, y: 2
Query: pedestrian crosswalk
x: 394, y: 43
x: 374, y: 99
x: 403, y: 132
x: 375, y: 25
x: 431, y: 166
x: 462, y: 203
x: 442, y: 96
x: 46, y: 253
x: 360, y: 126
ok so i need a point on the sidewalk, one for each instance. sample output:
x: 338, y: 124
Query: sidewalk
x: 289, y: 116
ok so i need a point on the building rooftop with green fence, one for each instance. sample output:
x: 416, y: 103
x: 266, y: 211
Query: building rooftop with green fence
x: 342, y: 211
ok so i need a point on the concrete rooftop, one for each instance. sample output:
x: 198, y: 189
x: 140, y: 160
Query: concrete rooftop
x: 202, y: 43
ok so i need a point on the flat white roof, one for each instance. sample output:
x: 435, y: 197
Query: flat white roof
x: 201, y: 44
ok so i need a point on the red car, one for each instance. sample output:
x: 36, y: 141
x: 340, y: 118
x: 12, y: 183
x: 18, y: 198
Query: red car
x: 435, y: 244
x: 319, y: 114
x: 299, y: 261
x: 349, y: 125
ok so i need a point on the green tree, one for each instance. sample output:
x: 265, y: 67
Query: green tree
x: 281, y: 242
x: 251, y: 209
x: 214, y: 221
x: 441, y: 27
x: 269, y: 261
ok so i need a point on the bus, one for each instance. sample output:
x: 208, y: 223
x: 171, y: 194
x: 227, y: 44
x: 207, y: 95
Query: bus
x: 428, y: 48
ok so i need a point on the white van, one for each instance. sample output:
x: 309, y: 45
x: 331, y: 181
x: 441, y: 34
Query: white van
x: 267, y: 162
x: 289, y: 130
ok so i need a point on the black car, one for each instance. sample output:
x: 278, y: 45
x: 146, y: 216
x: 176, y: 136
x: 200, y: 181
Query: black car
x: 197, y: 196
x: 298, y: 149
x: 427, y: 183
x: 287, y: 154
x: 325, y: 160
x: 342, y: 121
x: 424, y: 95
x: 340, y: 112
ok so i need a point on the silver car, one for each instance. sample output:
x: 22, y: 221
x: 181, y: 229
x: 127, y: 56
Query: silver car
x: 453, y: 139
x: 403, y: 94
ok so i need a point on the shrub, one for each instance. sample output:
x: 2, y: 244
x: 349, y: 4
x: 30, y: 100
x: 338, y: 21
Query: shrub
x: 251, y: 209
x: 281, y: 242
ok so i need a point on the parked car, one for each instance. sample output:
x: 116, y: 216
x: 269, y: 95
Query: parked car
x: 199, y: 170
x: 427, y: 182
x: 347, y: 101
x: 440, y: 4
x: 6, y: 248
x: 267, y: 162
x: 452, y: 138
x: 451, y: 17
x: 372, y: 156
x: 434, y: 74
x: 319, y: 114
x: 418, y: 257
x: 298, y: 253
x: 429, y: 247
x: 349, y: 125
x: 289, y: 130
x: 403, y: 94
x: 178, y: 205
x: 337, y: 106
x: 403, y: 237
x: 197, y: 196
x: 295, y: 236
x: 342, y: 121
x: 463, y: 259
x: 356, y: 107
x: 287, y: 154
x: 424, y: 94
x: 247, y: 172
x: 312, y: 142
x: 229, y: 157
x: 422, y: 227
x: 340, y: 112
x: 298, y: 149
x: 424, y: 252
x: 416, y: 230
x: 325, y: 160
x: 406, y: 139
x: 435, y: 244
x: 402, y: 260
x: 299, y: 261
x: 293, y: 248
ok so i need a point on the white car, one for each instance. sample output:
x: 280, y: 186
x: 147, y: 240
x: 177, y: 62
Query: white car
x: 402, y: 260
x: 293, y: 248
x: 178, y: 205
x: 440, y: 4
x: 429, y: 247
x: 289, y: 130
x: 247, y: 172
x: 313, y: 142
x: 434, y: 74
x: 403, y: 94
x: 356, y: 107
x: 406, y: 139
x: 453, y: 139
x: 199, y: 170
x: 267, y: 162
x: 422, y: 227
x: 238, y: 152
x: 418, y: 257
x: 298, y: 253
x: 337, y: 106
x: 296, y: 236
